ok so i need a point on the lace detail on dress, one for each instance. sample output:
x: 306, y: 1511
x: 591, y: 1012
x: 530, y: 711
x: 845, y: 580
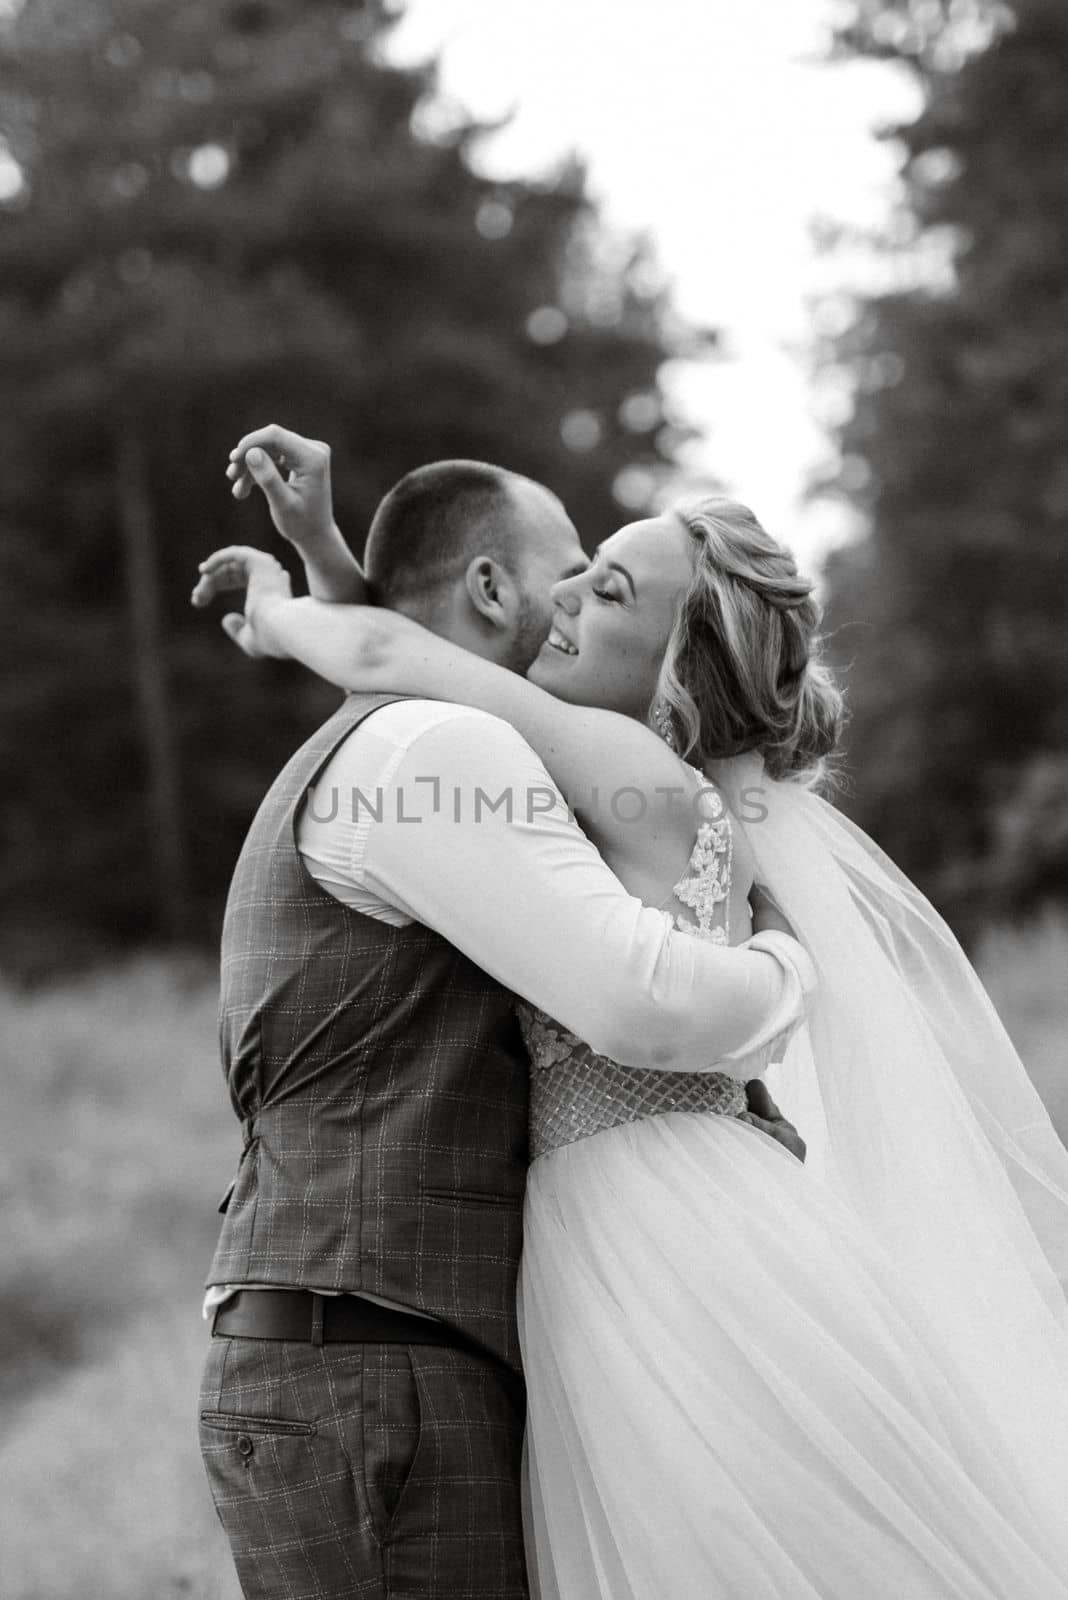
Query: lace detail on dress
x: 574, y: 1091
x: 707, y: 884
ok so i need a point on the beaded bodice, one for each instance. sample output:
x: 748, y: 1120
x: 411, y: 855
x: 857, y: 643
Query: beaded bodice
x: 575, y: 1092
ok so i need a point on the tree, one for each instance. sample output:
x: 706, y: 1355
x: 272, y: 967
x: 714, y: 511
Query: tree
x: 949, y: 615
x: 213, y: 215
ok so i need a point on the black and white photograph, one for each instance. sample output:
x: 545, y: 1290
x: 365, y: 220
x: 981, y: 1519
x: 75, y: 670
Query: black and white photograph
x: 534, y: 887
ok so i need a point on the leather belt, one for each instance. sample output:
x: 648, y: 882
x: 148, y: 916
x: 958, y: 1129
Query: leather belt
x: 301, y: 1315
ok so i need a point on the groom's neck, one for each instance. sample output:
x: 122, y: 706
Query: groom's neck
x: 462, y: 625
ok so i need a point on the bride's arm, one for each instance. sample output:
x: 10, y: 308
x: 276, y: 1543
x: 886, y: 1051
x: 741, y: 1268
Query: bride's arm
x: 615, y: 773
x: 637, y: 801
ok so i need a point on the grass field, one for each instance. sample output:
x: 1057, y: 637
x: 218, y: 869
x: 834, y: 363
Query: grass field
x: 117, y: 1141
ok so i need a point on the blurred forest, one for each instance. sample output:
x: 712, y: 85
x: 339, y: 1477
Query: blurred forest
x: 952, y: 617
x: 214, y: 215
x: 233, y: 211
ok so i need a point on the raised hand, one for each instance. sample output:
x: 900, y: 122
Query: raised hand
x: 294, y: 475
x: 265, y: 583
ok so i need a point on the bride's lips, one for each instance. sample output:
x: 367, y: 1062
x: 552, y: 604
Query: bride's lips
x: 560, y: 643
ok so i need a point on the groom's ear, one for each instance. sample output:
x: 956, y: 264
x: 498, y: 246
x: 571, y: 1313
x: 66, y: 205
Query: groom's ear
x: 491, y: 590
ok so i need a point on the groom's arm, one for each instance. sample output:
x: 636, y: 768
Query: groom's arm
x: 475, y: 841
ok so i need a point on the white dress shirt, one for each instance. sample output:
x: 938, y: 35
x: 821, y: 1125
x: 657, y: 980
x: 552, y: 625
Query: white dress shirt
x: 444, y: 815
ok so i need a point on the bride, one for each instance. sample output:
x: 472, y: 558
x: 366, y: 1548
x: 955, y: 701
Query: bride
x: 749, y: 1378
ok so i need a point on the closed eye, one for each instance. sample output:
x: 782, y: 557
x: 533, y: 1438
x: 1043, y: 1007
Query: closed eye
x: 606, y: 594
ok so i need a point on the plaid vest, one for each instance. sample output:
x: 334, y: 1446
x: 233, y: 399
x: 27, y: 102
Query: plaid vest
x: 382, y: 1086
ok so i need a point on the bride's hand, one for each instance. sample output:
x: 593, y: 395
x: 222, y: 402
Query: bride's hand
x: 266, y: 584
x: 358, y: 648
x: 294, y: 474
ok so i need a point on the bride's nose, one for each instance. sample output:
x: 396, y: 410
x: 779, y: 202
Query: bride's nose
x: 565, y: 595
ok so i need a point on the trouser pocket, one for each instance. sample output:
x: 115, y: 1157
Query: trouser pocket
x: 284, y: 1494
x: 233, y: 1422
x: 392, y: 1431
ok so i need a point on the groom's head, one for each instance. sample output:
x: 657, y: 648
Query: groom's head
x: 472, y: 551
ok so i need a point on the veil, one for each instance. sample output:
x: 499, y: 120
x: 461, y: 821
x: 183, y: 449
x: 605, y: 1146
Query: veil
x: 916, y: 1108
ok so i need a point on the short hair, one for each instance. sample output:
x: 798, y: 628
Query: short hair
x: 433, y: 523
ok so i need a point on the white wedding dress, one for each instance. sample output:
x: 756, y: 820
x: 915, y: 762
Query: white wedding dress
x: 750, y: 1379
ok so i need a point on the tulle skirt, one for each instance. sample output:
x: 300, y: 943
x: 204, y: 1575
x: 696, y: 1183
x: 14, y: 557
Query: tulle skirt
x: 733, y: 1395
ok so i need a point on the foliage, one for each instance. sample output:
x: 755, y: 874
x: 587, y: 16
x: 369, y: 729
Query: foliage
x: 213, y: 215
x: 950, y: 615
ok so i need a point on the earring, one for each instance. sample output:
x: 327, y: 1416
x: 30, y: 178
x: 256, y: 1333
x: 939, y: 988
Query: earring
x: 662, y: 721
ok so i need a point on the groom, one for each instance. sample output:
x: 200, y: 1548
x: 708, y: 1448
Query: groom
x: 361, y: 1413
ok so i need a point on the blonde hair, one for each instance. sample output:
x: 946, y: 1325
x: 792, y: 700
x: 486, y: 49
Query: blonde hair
x: 743, y: 668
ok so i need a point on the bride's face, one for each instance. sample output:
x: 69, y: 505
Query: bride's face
x: 611, y: 623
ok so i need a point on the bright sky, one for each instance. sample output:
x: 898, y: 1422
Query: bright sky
x: 715, y: 126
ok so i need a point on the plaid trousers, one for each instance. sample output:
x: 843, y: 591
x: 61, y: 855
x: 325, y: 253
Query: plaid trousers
x: 365, y: 1471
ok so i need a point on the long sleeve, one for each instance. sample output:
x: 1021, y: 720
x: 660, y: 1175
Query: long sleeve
x: 470, y: 836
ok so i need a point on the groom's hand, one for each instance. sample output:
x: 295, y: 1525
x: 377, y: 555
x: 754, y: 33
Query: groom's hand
x: 766, y: 915
x: 294, y: 474
x: 764, y: 1113
x: 265, y: 583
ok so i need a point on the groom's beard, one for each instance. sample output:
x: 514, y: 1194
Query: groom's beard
x: 531, y: 632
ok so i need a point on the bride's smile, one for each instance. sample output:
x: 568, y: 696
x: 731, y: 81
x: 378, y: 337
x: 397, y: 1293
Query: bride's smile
x: 556, y: 641
x: 611, y: 623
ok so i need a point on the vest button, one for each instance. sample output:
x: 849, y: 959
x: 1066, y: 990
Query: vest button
x: 245, y: 1445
